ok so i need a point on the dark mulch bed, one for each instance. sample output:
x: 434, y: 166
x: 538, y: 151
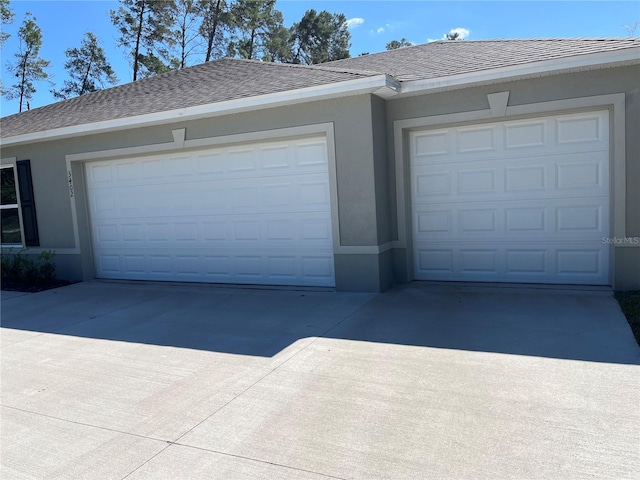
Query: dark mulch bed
x: 630, y: 305
x: 21, y: 287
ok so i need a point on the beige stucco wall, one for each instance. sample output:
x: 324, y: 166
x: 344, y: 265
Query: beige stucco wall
x: 363, y: 129
x: 358, y: 171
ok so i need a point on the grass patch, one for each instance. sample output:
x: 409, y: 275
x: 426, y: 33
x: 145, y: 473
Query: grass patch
x: 630, y: 305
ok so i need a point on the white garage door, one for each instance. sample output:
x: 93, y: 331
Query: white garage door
x: 518, y: 201
x: 251, y: 214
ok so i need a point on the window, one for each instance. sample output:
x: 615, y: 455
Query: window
x: 9, y: 207
x: 18, y: 206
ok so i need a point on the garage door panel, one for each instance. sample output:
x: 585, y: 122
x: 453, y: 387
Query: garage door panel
x: 532, y: 134
x: 521, y: 179
x: 476, y: 139
x: 474, y: 181
x: 522, y: 201
x: 308, y: 193
x: 589, y: 173
x: 313, y: 268
x: 493, y: 155
x: 581, y: 263
x: 300, y: 230
x: 256, y: 213
x: 224, y: 164
x: 553, y: 176
x: 580, y: 133
x: 565, y: 219
x: 584, y: 128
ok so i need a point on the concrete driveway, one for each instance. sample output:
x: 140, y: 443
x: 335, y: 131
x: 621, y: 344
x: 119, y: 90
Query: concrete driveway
x: 114, y: 380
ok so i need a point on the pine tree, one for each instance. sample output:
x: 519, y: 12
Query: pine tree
x: 144, y: 27
x: 186, y: 36
x: 320, y: 37
x: 28, y: 67
x: 278, y: 46
x: 88, y: 69
x: 215, y: 16
x: 395, y: 44
x: 254, y: 23
x: 6, y: 17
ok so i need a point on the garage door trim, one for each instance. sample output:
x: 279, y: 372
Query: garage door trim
x: 615, y: 103
x: 77, y: 187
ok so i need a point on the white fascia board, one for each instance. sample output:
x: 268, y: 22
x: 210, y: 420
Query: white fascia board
x: 627, y: 56
x: 374, y: 84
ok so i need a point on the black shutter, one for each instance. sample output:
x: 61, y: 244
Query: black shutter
x: 28, y: 203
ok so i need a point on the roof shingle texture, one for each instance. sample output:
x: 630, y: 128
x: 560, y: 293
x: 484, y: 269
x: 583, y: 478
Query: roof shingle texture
x: 446, y: 58
x: 229, y: 79
x: 212, y: 82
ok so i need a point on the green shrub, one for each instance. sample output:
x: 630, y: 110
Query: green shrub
x: 27, y: 271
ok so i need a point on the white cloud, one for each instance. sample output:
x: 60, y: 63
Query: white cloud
x: 462, y: 33
x: 354, y: 22
x: 388, y: 27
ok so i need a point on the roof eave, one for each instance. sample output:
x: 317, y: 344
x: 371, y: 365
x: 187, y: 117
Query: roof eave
x: 577, y: 63
x: 381, y: 85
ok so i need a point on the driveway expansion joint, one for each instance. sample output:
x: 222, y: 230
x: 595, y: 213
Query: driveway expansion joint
x: 243, y: 457
x: 89, y: 425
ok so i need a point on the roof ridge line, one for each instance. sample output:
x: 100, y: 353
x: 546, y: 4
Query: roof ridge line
x: 317, y: 66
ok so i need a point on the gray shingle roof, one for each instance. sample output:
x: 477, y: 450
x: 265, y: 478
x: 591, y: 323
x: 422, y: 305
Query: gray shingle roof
x: 212, y: 82
x: 445, y: 58
x: 229, y: 79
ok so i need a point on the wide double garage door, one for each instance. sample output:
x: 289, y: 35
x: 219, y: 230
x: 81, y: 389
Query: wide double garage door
x: 251, y: 214
x: 517, y: 201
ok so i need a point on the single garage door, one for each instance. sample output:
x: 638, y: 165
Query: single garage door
x: 517, y: 201
x: 250, y: 214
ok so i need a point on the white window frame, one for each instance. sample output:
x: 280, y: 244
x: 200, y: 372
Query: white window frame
x: 17, y: 205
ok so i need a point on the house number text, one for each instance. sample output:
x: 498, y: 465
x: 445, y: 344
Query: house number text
x: 70, y: 184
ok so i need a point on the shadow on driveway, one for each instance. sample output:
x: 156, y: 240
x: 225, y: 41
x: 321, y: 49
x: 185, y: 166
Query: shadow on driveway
x: 565, y: 324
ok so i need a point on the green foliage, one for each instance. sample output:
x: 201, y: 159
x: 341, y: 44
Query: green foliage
x: 28, y: 67
x: 215, y: 16
x: 162, y: 35
x: 145, y: 32
x: 320, y: 37
x: 453, y: 36
x: 277, y: 47
x: 153, y: 65
x: 20, y: 271
x: 6, y: 17
x: 395, y: 44
x: 88, y: 68
x: 253, y: 23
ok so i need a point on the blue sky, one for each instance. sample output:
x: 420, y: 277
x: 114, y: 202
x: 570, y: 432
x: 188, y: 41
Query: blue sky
x: 372, y: 25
